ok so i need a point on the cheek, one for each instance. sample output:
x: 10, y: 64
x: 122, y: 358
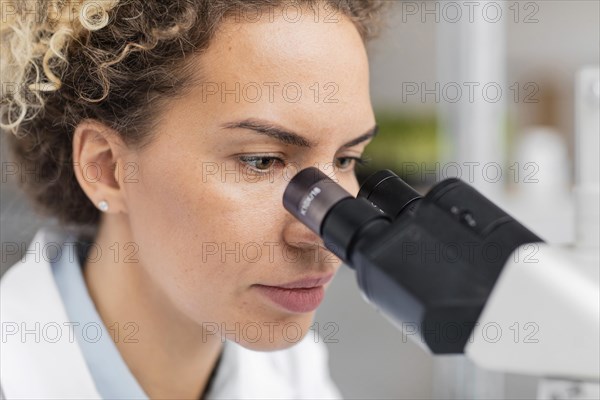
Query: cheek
x: 193, y: 231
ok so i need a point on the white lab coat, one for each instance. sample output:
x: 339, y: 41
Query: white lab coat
x: 42, y: 366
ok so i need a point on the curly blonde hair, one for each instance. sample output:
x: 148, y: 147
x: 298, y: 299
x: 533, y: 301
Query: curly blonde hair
x: 115, y: 61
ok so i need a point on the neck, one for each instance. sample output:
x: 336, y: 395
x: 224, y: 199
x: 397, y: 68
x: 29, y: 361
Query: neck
x: 161, y: 346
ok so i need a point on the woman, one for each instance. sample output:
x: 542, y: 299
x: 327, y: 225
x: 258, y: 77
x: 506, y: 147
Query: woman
x: 162, y: 135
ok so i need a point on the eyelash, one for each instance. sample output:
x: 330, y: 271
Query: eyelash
x: 245, y: 159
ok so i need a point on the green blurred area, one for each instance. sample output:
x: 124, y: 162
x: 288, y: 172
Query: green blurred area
x: 406, y: 144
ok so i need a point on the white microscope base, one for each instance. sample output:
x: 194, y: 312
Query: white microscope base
x: 543, y: 315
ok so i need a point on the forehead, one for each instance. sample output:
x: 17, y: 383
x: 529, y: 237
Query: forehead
x: 283, y: 67
x: 276, y: 42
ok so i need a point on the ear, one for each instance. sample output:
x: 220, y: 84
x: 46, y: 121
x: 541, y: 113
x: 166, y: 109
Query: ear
x: 97, y: 154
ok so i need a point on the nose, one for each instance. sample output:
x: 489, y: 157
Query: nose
x: 307, y: 248
x: 296, y: 234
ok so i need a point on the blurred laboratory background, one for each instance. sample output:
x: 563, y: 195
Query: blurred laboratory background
x: 482, y: 90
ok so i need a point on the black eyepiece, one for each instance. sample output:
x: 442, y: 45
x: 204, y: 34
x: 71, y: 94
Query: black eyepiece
x: 310, y: 195
x: 331, y: 212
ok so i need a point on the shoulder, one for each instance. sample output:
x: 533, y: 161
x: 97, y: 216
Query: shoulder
x: 37, y: 348
x: 27, y: 279
x: 48, y: 245
x: 29, y: 282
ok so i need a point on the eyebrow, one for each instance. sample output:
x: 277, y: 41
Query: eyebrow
x: 289, y: 137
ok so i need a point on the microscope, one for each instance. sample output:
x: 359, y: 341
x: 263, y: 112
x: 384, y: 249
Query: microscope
x: 457, y: 274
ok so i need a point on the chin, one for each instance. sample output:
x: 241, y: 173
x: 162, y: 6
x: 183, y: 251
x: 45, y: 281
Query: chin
x: 274, y: 336
x: 266, y: 345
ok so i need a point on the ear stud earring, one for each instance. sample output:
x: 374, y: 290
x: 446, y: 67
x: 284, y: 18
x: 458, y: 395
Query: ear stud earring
x: 103, y: 205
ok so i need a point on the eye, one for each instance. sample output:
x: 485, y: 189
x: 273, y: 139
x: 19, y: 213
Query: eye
x: 260, y: 164
x: 348, y: 163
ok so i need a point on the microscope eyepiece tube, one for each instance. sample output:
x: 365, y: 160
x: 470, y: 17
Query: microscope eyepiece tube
x: 330, y: 211
x: 389, y: 192
x: 310, y: 195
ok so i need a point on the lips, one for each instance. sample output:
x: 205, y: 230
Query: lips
x: 299, y: 296
x: 310, y: 282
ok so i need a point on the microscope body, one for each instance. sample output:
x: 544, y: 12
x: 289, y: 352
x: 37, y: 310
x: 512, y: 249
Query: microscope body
x: 433, y: 266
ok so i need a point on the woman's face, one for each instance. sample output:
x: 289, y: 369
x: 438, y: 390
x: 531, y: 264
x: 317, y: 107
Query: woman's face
x: 205, y: 205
